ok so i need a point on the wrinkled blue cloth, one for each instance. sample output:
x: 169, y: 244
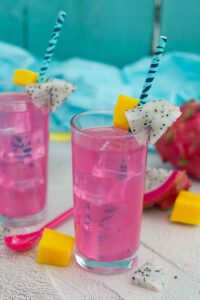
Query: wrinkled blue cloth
x: 98, y: 84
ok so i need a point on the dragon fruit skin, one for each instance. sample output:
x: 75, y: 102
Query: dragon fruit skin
x: 180, y: 145
x: 164, y: 195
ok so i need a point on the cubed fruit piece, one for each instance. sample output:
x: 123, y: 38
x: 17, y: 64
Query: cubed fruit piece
x: 25, y: 77
x: 186, y: 209
x: 123, y: 103
x: 189, y: 196
x: 149, y: 276
x: 55, y: 248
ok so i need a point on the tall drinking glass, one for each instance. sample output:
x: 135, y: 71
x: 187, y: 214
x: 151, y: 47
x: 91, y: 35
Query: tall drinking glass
x: 108, y: 185
x: 23, y: 159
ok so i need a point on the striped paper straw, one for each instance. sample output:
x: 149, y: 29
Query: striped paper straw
x: 153, y: 68
x: 51, y: 46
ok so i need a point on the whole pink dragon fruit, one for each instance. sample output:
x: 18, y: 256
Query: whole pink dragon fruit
x: 180, y: 145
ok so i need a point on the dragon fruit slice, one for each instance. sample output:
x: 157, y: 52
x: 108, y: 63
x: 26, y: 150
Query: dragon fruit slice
x: 149, y: 276
x: 60, y: 91
x: 157, y: 115
x: 162, y: 187
x: 54, y: 91
x: 180, y: 145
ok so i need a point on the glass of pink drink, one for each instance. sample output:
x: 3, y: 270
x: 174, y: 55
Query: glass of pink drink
x: 23, y: 159
x: 108, y: 185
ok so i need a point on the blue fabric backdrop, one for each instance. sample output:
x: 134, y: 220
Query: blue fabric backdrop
x: 98, y: 85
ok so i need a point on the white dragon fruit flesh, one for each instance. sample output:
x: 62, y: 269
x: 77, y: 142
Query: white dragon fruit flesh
x: 149, y: 276
x: 157, y: 115
x: 51, y: 93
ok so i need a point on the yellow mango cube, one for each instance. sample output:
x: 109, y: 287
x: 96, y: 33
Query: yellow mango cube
x: 123, y: 103
x: 25, y: 77
x: 189, y: 195
x: 55, y: 248
x: 186, y: 209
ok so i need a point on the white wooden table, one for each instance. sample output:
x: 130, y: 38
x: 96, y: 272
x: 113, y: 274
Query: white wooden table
x: 176, y: 247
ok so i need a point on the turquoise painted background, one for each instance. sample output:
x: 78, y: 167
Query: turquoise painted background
x: 112, y: 31
x: 181, y: 22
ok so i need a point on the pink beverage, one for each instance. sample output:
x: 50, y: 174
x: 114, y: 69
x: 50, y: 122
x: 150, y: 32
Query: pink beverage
x: 23, y: 159
x: 108, y: 184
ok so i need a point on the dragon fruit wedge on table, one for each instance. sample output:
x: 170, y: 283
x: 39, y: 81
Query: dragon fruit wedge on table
x: 180, y: 145
x: 162, y: 186
x: 150, y: 276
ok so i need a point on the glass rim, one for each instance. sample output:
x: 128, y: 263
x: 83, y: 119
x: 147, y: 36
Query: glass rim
x: 23, y: 97
x: 104, y: 111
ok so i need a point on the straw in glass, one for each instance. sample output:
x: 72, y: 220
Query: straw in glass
x: 51, y: 46
x: 153, y: 69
